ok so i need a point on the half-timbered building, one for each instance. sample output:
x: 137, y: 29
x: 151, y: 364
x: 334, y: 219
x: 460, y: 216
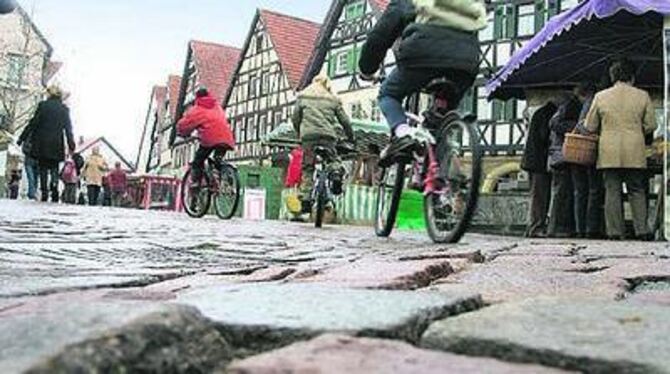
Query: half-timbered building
x: 261, y: 96
x: 164, y: 136
x: 208, y: 65
x: 148, y: 156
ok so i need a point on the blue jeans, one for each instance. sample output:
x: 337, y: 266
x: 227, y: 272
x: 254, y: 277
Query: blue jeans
x: 403, y: 82
x: 31, y: 175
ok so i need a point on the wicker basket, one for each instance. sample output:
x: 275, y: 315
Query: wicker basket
x: 580, y: 149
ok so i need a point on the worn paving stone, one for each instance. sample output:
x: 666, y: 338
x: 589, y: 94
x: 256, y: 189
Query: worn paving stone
x: 334, y: 354
x: 176, y: 340
x: 385, y: 274
x: 34, y: 333
x: 512, y: 278
x: 307, y: 310
x: 588, y: 336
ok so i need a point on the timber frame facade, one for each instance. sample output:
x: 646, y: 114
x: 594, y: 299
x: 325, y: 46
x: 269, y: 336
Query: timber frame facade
x: 148, y: 157
x: 511, y: 24
x: 263, y: 91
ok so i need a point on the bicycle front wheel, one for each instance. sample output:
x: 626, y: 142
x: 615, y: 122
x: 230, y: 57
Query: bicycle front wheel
x: 227, y: 196
x: 389, y: 191
x: 449, y: 211
x: 195, y: 197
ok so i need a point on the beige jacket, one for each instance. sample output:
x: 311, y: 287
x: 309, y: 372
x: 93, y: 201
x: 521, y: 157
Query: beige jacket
x: 94, y: 169
x: 622, y: 115
x: 466, y: 15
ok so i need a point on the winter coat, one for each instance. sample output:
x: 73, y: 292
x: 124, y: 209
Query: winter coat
x: 318, y: 114
x: 431, y: 36
x: 622, y: 115
x: 94, y: 170
x: 209, y: 120
x: 46, y: 130
x: 537, y: 144
x: 563, y: 122
x: 118, y: 180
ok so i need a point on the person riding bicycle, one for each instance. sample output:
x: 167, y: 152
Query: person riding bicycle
x: 317, y: 115
x: 435, y: 39
x: 209, y: 120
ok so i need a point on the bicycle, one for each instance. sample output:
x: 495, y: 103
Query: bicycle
x: 221, y: 181
x: 322, y: 192
x: 439, y: 168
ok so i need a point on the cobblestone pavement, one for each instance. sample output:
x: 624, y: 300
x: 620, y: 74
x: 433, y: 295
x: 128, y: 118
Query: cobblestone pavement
x: 77, y: 281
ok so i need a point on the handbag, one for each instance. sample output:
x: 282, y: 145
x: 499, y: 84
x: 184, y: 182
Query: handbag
x: 580, y: 149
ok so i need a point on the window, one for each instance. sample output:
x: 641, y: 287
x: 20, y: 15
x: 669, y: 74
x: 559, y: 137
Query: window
x: 526, y: 23
x: 484, y: 107
x: 375, y: 112
x: 259, y: 44
x: 253, y: 86
x: 468, y: 103
x: 487, y: 33
x: 357, y: 111
x: 251, y: 130
x: 15, y: 68
x: 342, y: 63
x: 354, y: 10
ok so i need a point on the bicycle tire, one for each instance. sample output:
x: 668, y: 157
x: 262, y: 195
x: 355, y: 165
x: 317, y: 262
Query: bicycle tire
x: 227, y: 171
x: 320, y: 192
x: 472, y: 196
x: 185, y: 195
x: 385, y: 221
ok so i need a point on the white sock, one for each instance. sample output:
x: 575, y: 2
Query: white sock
x: 402, y: 130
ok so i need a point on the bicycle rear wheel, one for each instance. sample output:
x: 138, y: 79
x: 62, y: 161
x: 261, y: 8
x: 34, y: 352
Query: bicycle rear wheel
x: 196, y: 199
x: 320, y: 192
x: 389, y: 191
x: 450, y: 210
x: 227, y: 196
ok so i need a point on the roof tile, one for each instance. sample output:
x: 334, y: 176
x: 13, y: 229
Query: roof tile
x: 174, y: 86
x: 216, y: 65
x: 293, y: 39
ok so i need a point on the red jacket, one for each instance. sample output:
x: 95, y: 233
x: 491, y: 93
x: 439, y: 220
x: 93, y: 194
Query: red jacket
x: 294, y: 174
x: 209, y: 119
x: 118, y: 181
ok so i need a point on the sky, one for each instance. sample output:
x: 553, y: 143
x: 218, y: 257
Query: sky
x: 115, y: 51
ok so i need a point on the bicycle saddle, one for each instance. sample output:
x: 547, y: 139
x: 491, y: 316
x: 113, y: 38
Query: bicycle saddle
x: 439, y: 85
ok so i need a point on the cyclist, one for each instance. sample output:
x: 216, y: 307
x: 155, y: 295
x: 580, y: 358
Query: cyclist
x: 209, y: 120
x: 317, y: 115
x: 438, y: 38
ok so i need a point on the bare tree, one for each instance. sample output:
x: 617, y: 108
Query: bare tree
x: 21, y: 87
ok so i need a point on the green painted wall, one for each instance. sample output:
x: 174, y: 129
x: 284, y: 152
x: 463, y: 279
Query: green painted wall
x: 271, y: 179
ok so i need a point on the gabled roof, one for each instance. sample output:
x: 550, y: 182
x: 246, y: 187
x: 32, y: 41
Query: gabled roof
x: 52, y: 68
x: 86, y: 145
x: 318, y: 53
x: 159, y: 95
x: 174, y: 84
x: 293, y: 39
x: 215, y: 64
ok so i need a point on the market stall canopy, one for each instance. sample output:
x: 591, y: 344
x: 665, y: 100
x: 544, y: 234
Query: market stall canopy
x: 578, y: 45
x: 367, y: 133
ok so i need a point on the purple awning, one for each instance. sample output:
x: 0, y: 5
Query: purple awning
x: 578, y: 44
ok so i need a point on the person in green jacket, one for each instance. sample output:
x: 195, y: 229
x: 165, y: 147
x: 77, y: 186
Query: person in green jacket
x: 317, y: 117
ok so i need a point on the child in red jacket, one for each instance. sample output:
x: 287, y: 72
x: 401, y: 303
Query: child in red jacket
x: 209, y: 120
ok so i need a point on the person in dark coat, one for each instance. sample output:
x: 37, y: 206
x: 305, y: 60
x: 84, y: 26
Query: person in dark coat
x: 48, y: 128
x: 436, y: 39
x: 562, y: 217
x: 588, y: 180
x: 534, y: 161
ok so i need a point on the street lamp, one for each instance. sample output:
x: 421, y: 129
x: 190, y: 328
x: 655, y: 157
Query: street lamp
x: 7, y: 6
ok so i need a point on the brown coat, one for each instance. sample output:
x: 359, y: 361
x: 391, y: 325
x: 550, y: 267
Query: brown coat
x: 94, y: 169
x: 622, y: 115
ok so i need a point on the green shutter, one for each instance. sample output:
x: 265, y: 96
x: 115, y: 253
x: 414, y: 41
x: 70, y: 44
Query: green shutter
x: 540, y: 10
x: 554, y: 8
x: 497, y: 110
x: 351, y: 60
x: 498, y: 22
x: 512, y: 19
x: 332, y: 61
x: 357, y: 58
x: 510, y: 110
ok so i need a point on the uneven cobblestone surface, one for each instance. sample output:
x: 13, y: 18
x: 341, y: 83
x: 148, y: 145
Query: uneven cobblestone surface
x: 95, y: 289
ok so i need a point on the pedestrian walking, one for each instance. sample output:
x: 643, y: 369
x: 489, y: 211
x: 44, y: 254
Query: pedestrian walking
x: 70, y: 177
x: 534, y: 161
x: 93, y: 171
x: 623, y: 115
x: 13, y: 184
x: 562, y: 217
x: 46, y: 132
x: 118, y: 184
x: 29, y: 163
x: 588, y: 180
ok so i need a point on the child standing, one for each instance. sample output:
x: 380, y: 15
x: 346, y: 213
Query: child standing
x: 70, y: 177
